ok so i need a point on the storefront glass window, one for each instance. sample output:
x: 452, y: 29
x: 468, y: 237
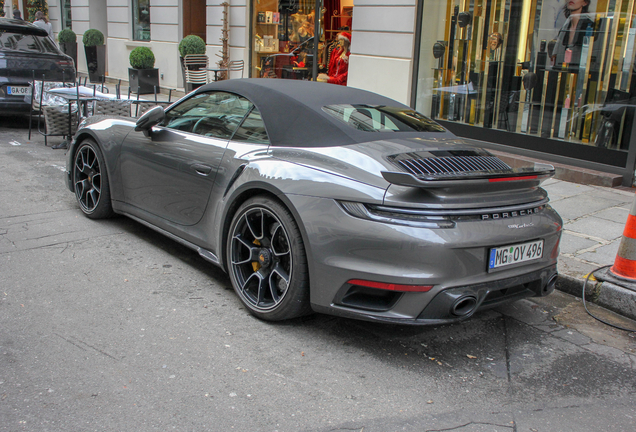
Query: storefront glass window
x: 66, y: 14
x: 284, y: 36
x: 556, y: 69
x: 141, y: 20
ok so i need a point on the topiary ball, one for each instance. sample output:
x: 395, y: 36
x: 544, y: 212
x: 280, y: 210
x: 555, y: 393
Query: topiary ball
x: 142, y: 58
x: 93, y: 37
x: 191, y: 44
x: 67, y: 36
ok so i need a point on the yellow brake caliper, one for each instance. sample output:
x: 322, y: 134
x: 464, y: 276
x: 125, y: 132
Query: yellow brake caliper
x: 255, y: 264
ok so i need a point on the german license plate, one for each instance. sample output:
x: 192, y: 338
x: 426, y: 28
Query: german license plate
x: 514, y: 254
x: 19, y: 90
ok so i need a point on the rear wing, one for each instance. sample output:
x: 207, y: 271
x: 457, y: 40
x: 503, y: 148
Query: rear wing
x: 532, y: 176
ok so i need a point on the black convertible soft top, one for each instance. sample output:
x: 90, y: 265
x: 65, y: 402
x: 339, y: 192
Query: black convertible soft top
x: 292, y: 110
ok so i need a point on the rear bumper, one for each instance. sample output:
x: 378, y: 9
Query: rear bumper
x: 460, y: 303
x: 452, y: 262
x: 14, y: 107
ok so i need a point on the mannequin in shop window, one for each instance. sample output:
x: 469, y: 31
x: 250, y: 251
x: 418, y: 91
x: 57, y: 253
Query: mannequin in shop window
x: 567, y: 50
x: 339, y: 62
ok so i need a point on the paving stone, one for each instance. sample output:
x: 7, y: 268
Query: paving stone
x: 602, y: 255
x: 613, y: 193
x: 577, y: 206
x: 596, y: 227
x: 575, y: 268
x: 566, y: 189
x: 615, y: 214
x: 570, y: 244
x: 572, y: 336
x: 613, y: 353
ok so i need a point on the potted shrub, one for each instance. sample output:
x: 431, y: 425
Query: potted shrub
x: 68, y: 43
x: 95, y: 54
x: 191, y: 44
x: 143, y: 77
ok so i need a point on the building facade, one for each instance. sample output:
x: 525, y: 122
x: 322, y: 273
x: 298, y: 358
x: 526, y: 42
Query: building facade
x: 552, y: 79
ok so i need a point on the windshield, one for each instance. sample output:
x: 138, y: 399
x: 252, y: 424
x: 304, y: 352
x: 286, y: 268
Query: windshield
x: 12, y: 41
x: 381, y: 118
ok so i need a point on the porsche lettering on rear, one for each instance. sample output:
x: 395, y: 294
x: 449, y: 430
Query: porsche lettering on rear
x: 505, y: 215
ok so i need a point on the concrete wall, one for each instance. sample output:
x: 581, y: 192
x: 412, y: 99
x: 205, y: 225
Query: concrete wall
x: 85, y: 18
x: 55, y: 17
x: 383, y: 35
x: 164, y: 33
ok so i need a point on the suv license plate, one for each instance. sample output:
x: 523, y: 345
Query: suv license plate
x: 514, y: 254
x: 19, y: 90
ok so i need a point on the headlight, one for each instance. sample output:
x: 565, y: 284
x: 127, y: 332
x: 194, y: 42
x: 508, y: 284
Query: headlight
x: 396, y: 216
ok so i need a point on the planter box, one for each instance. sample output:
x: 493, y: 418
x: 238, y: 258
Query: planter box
x: 96, y: 62
x: 143, y: 81
x: 70, y: 49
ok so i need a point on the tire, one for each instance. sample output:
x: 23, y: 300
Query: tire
x: 267, y: 262
x: 90, y: 181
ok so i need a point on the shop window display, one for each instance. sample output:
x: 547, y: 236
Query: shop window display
x: 556, y: 69
x: 285, y: 34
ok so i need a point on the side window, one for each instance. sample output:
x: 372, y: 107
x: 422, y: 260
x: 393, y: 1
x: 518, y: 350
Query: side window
x: 214, y: 114
x: 252, y: 129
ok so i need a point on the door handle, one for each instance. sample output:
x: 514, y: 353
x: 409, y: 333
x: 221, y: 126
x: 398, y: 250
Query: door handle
x: 201, y: 169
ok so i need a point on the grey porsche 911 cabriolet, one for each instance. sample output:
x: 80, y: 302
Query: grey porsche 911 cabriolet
x: 316, y: 197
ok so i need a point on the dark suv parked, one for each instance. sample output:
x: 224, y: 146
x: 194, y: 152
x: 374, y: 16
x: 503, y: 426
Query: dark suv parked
x: 26, y: 51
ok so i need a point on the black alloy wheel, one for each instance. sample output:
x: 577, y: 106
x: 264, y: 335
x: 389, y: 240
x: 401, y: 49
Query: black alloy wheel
x: 90, y: 181
x: 267, y: 261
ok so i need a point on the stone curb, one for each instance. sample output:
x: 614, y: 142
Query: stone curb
x: 605, y: 294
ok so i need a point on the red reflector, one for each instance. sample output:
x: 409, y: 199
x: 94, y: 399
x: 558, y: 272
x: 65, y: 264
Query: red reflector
x: 512, y: 178
x: 391, y: 287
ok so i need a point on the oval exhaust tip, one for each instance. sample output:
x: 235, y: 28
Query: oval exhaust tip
x: 549, y: 287
x: 464, y: 306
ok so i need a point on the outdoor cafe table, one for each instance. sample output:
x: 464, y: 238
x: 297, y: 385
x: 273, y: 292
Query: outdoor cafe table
x: 216, y: 72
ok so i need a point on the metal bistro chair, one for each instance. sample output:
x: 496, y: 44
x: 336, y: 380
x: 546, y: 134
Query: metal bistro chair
x: 196, y: 74
x: 236, y: 66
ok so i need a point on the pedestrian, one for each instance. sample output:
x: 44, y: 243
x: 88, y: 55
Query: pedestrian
x: 43, y: 23
x: 17, y: 15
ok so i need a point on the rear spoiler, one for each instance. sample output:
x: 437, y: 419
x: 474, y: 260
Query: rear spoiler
x: 538, y: 174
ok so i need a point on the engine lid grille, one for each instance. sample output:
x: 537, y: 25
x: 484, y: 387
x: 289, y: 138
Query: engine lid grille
x: 449, y: 165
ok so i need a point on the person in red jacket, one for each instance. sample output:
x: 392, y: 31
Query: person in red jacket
x: 339, y: 62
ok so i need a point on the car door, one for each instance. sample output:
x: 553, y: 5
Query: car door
x: 170, y: 173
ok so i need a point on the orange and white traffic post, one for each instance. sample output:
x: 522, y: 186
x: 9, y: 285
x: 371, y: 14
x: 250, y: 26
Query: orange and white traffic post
x: 625, y: 264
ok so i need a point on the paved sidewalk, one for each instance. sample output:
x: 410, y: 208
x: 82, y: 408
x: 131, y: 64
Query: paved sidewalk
x: 594, y: 218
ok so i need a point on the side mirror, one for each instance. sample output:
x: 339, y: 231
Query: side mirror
x: 150, y: 119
